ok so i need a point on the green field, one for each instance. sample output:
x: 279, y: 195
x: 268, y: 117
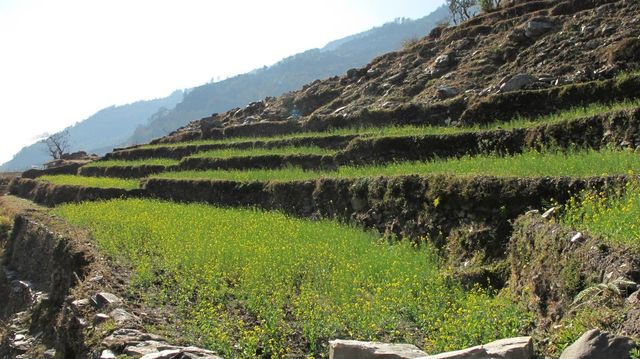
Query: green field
x: 248, y: 283
x: 612, y: 215
x: 394, y: 131
x: 529, y: 164
x: 96, y: 182
x: 280, y: 151
x: 134, y: 163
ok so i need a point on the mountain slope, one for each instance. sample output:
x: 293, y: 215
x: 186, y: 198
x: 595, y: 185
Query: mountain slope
x: 291, y: 73
x: 98, y: 133
x: 452, y: 74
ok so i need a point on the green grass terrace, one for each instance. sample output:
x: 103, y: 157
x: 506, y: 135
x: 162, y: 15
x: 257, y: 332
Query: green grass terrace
x: 95, y: 182
x: 397, y: 131
x: 584, y: 163
x: 280, y: 151
x: 135, y: 163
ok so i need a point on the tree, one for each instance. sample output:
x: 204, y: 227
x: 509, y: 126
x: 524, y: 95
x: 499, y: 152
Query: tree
x: 57, y: 144
x: 489, y: 5
x: 461, y: 9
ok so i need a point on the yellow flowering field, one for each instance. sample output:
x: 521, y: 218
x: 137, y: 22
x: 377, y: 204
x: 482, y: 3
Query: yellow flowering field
x: 248, y: 283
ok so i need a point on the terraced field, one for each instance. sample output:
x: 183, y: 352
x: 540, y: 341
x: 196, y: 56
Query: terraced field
x: 394, y: 212
x: 251, y: 283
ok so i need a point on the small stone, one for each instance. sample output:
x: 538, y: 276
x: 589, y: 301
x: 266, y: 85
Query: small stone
x: 76, y: 305
x: 121, y: 316
x: 634, y: 298
x: 165, y: 354
x: 100, y: 318
x: 537, y: 28
x: 517, y: 82
x: 444, y: 61
x: 549, y: 213
x: 578, y: 237
x: 49, y: 354
x: 105, y: 299
x: 107, y: 354
x: 445, y: 92
x: 18, y: 337
x: 599, y: 345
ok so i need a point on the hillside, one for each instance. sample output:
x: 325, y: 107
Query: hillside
x: 457, y: 68
x: 472, y: 195
x: 98, y: 133
x: 289, y: 74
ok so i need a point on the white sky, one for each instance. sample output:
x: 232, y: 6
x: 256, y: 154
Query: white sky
x: 61, y: 61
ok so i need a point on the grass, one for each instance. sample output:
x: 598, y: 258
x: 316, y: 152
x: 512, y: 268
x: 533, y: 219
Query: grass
x: 394, y: 131
x: 260, y: 284
x: 612, y: 215
x: 281, y: 151
x: 95, y: 182
x: 529, y: 164
x: 136, y: 163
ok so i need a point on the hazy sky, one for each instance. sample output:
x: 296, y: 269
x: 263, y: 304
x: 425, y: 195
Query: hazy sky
x: 61, y: 61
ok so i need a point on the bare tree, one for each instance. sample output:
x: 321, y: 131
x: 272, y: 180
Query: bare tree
x: 461, y: 9
x: 489, y: 5
x: 57, y: 144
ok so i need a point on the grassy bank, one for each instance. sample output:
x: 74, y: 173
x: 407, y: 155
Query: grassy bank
x: 528, y: 164
x: 135, y: 163
x: 612, y: 215
x: 280, y: 151
x: 248, y: 283
x: 97, y: 182
x: 391, y: 131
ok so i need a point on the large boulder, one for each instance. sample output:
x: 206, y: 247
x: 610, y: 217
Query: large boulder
x: 595, y: 344
x: 352, y: 349
x: 512, y: 348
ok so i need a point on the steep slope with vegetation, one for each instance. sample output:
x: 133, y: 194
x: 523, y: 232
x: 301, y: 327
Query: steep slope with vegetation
x: 443, y: 222
x: 289, y: 74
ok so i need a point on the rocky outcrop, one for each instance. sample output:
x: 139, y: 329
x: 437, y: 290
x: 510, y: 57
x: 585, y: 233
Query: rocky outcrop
x: 595, y: 344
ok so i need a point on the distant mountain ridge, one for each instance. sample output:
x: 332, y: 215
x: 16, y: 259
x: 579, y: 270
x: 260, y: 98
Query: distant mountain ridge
x: 289, y: 74
x: 98, y: 133
x: 145, y: 120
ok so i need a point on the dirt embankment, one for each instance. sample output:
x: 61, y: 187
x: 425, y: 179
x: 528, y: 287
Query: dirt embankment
x: 552, y: 266
x: 43, y: 260
x: 466, y: 217
x: 49, y: 194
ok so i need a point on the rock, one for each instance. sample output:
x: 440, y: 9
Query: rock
x: 165, y: 354
x: 49, y: 354
x: 537, y: 27
x: 512, y: 348
x: 578, y: 237
x: 107, y: 354
x: 549, y: 213
x: 100, y: 318
x: 121, y: 316
x: 124, y: 337
x: 517, y: 82
x: 147, y: 347
x: 352, y: 349
x: 76, y: 305
x: 105, y: 299
x: 599, y: 345
x: 444, y: 61
x: 445, y: 92
x: 634, y: 298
